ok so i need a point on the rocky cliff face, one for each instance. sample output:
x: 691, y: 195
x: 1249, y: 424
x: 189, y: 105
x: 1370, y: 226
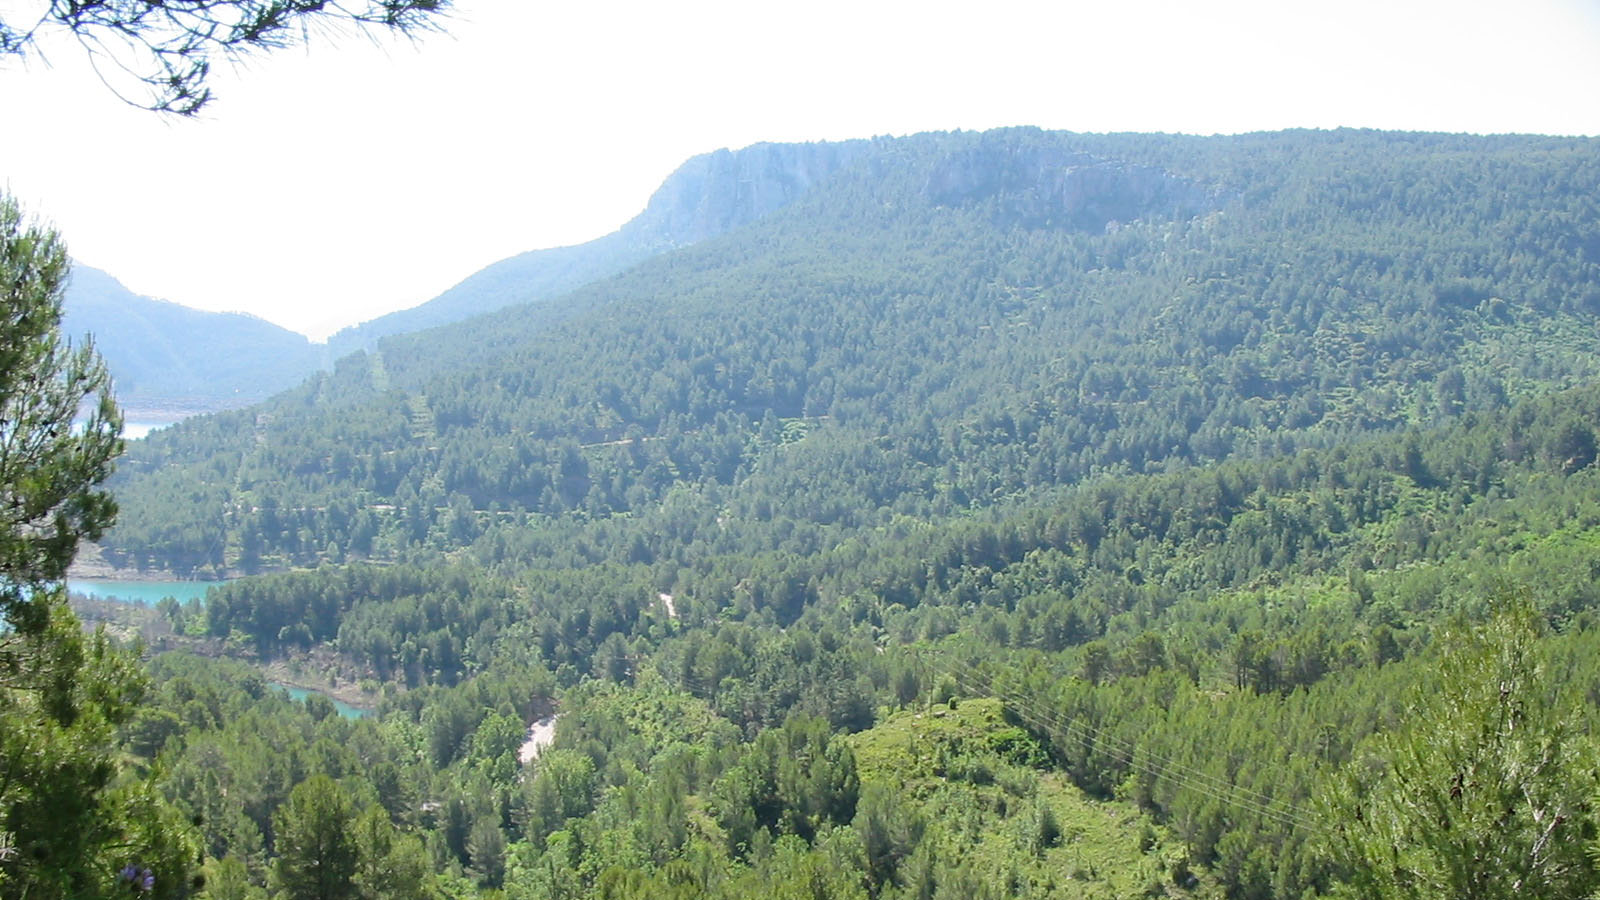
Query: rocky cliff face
x: 1046, y: 187
x: 715, y: 192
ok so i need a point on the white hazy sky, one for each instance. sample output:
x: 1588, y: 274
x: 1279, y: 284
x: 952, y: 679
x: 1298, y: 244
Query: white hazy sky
x: 330, y: 184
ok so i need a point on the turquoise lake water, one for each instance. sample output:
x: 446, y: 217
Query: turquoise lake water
x: 147, y: 593
x: 344, y: 709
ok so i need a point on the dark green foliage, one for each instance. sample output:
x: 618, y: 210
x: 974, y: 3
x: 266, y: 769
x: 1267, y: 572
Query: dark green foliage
x: 1244, y: 663
x: 315, y: 842
x: 247, y: 750
x: 889, y: 832
x: 929, y: 359
x: 71, y: 814
x: 50, y: 472
x: 1485, y: 792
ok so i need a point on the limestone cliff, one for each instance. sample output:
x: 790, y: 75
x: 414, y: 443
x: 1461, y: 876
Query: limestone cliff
x: 1048, y: 187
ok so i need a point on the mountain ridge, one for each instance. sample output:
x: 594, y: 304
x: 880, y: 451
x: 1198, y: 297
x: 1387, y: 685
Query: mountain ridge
x: 705, y: 196
x: 168, y: 360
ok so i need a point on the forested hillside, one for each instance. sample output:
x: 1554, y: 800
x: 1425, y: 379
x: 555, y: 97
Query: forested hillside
x: 939, y: 327
x: 170, y: 361
x: 1010, y: 514
x: 706, y: 196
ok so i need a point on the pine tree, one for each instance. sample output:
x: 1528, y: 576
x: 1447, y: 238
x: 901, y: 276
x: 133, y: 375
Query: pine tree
x: 316, y: 842
x: 50, y: 471
x: 64, y: 830
x: 1486, y: 796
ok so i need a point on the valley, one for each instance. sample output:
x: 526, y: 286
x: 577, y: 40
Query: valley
x: 1012, y: 513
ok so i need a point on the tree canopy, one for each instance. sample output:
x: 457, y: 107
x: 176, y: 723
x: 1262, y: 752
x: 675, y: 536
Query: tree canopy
x: 50, y: 472
x: 168, y: 46
x: 67, y: 827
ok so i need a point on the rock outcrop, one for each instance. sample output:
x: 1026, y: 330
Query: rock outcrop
x: 1047, y: 187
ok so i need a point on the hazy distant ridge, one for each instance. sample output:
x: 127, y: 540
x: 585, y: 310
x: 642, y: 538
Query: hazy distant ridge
x: 166, y: 358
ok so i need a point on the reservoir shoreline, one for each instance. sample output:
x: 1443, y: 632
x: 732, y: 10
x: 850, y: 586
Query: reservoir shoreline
x: 91, y: 565
x: 127, y: 607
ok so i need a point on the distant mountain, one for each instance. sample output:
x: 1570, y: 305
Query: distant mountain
x: 168, y: 360
x: 707, y: 196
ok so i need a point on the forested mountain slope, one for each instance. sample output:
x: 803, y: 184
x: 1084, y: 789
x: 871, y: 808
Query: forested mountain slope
x: 706, y: 196
x: 169, y: 360
x: 950, y: 321
x: 1211, y: 649
x: 1012, y: 515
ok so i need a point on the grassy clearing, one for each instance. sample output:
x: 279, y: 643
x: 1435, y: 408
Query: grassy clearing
x: 989, y: 801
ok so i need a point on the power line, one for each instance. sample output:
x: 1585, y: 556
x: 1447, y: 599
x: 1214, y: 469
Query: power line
x: 1050, y: 724
x: 1182, y: 776
x: 1244, y: 798
x: 1209, y: 786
